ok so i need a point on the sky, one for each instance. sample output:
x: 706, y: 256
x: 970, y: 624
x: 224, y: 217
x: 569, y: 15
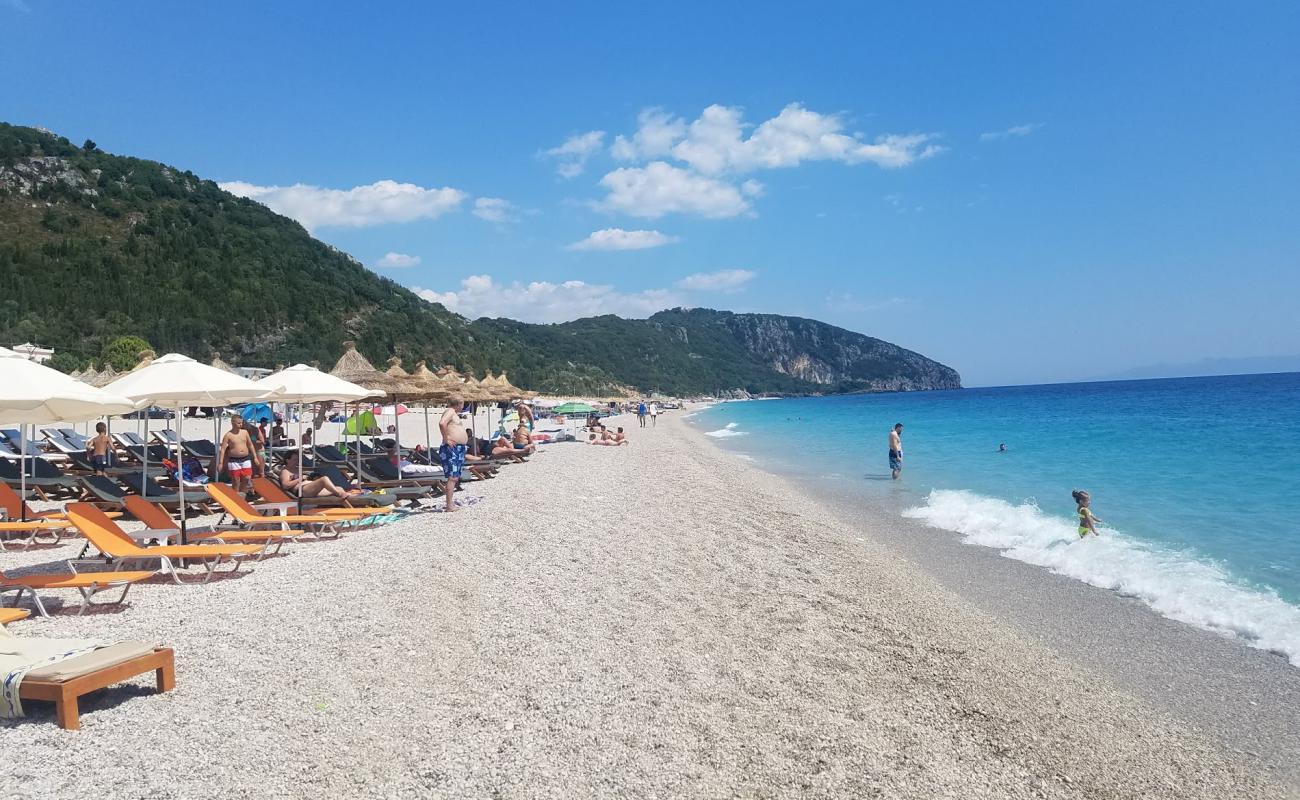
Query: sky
x: 1028, y: 192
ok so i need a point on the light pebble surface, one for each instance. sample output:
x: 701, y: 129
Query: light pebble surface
x: 659, y: 620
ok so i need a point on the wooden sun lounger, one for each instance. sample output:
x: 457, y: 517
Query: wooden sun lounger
x: 67, y: 681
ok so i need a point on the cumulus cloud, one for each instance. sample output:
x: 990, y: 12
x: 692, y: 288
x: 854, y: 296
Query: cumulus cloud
x: 716, y: 142
x: 659, y: 188
x: 397, y: 261
x: 572, y: 155
x: 724, y: 280
x: 545, y: 302
x: 494, y: 209
x: 1014, y: 132
x: 373, y: 204
x: 619, y: 239
x: 657, y: 132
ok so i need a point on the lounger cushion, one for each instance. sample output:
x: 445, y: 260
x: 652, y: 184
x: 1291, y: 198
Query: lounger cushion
x: 93, y: 661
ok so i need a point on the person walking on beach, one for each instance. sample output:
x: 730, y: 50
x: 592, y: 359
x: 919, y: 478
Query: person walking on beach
x: 451, y: 453
x: 237, y: 456
x: 654, y: 414
x: 896, y: 450
x: 100, y: 448
x: 640, y: 413
x: 1087, y: 521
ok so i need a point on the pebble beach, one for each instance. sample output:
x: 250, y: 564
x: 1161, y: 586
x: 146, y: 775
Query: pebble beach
x: 657, y: 620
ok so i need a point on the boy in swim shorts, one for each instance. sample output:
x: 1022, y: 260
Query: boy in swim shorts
x: 100, y: 448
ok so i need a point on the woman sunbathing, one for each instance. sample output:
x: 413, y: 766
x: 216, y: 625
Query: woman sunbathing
x: 291, y: 479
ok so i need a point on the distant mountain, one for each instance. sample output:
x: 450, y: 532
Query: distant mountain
x: 94, y: 246
x: 1212, y: 366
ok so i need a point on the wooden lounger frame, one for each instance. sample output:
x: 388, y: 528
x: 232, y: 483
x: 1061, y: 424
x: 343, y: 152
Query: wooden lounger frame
x: 65, y: 694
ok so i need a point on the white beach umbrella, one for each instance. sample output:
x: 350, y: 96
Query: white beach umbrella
x: 34, y: 394
x: 177, y: 381
x: 303, y: 384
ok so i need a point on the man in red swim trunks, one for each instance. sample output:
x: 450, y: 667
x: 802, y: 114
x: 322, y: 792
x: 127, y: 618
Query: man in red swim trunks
x: 238, y: 455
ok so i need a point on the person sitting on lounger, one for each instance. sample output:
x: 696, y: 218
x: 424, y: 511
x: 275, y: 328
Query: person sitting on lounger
x: 291, y: 479
x: 523, y: 440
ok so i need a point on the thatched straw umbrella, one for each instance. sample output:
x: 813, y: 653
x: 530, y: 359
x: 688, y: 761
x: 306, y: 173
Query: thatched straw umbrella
x: 432, y: 388
x: 103, y: 378
x: 146, y: 358
x: 219, y: 364
x: 354, y: 368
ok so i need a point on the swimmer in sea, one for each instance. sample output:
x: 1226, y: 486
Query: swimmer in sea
x: 1002, y: 448
x: 1087, y: 521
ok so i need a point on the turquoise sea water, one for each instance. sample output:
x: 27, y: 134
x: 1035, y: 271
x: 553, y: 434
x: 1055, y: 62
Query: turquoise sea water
x: 1197, y: 479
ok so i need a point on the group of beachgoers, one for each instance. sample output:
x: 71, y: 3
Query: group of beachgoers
x: 1088, y: 521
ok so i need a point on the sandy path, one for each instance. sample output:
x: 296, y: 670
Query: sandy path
x: 657, y: 620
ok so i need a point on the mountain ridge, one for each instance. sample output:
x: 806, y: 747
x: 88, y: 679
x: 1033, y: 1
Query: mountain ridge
x: 95, y: 246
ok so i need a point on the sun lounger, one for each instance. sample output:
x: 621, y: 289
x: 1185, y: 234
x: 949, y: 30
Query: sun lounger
x: 316, y: 525
x: 105, y: 535
x: 18, y: 515
x: 42, y: 477
x: 275, y: 498
x: 166, y: 438
x: 30, y: 532
x: 160, y: 525
x: 200, y: 448
x: 65, y: 681
x: 129, y: 438
x: 150, y: 489
x: 74, y: 438
x: 8, y: 615
x: 408, y: 493
x: 106, y: 491
x: 60, y: 443
x: 155, y: 453
x: 88, y: 584
x: 13, y: 438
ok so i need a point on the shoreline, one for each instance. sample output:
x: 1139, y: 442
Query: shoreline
x: 660, y: 619
x: 1246, y: 698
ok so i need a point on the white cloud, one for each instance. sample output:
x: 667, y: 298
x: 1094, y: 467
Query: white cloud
x: 724, y: 280
x: 848, y: 302
x: 572, y: 155
x: 543, y: 301
x: 1015, y: 131
x: 546, y: 302
x: 619, y: 239
x: 373, y: 204
x: 716, y: 142
x: 659, y: 188
x: 397, y: 261
x: 657, y: 132
x: 494, y: 209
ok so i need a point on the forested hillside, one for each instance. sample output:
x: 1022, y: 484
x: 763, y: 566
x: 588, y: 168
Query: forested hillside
x: 94, y: 246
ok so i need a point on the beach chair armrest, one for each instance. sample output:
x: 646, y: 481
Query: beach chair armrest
x: 279, y: 508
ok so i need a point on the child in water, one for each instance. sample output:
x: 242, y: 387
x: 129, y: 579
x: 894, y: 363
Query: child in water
x: 1087, y: 521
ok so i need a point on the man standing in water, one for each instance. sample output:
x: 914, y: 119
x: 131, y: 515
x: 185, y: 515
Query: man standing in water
x: 451, y: 453
x: 896, y: 450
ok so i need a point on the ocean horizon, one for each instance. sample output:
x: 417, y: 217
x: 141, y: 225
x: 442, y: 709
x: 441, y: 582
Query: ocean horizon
x: 1194, y: 478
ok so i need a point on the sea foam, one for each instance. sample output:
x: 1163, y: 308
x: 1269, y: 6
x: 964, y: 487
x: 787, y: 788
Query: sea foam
x: 723, y: 433
x: 1177, y: 585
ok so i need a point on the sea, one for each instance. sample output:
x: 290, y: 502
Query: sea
x: 1197, y: 481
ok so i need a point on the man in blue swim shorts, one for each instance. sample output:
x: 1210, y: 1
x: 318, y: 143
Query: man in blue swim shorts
x: 896, y: 450
x: 451, y: 453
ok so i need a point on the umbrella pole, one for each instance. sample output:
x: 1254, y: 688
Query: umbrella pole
x: 302, y: 473
x: 180, y: 475
x: 22, y: 469
x: 397, y: 437
x: 428, y: 440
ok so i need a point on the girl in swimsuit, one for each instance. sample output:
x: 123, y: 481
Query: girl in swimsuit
x: 1087, y: 521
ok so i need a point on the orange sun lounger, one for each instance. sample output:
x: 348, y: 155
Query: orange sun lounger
x: 243, y: 513
x: 88, y: 584
x: 157, y: 520
x: 105, y: 535
x: 8, y: 615
x: 274, y: 495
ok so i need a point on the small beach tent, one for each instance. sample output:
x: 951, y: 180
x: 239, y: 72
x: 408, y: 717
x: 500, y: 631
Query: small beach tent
x: 176, y: 381
x: 303, y: 384
x: 34, y: 394
x: 257, y: 412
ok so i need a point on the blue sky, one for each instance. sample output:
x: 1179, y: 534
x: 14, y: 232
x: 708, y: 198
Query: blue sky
x: 1028, y: 192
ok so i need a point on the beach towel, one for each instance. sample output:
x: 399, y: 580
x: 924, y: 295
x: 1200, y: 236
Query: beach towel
x: 20, y: 656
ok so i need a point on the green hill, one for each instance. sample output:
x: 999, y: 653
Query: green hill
x: 94, y: 246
